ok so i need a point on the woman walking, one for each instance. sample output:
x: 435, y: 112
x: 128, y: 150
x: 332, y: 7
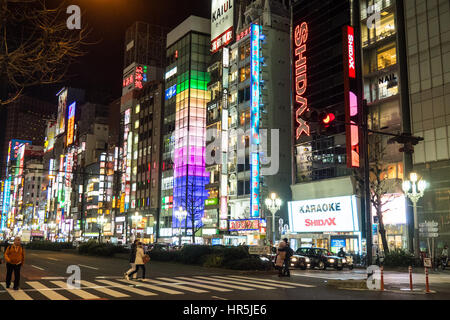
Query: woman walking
x: 281, y: 256
x: 139, y: 262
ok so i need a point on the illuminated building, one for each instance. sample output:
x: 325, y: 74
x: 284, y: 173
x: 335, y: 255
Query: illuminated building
x: 138, y: 154
x: 184, y: 134
x: 258, y: 104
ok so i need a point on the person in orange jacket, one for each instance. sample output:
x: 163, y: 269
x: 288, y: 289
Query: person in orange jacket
x: 15, y: 258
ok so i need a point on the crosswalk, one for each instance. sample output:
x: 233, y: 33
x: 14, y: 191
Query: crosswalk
x: 118, y: 288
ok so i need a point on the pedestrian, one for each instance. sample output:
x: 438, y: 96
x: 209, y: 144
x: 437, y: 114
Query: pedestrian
x: 281, y: 255
x: 342, y: 253
x: 287, y: 259
x: 15, y: 258
x: 139, y: 262
x: 132, y: 260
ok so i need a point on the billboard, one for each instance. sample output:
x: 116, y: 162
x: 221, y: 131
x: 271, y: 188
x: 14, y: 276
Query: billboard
x: 222, y: 20
x: 338, y: 214
x: 244, y: 225
x: 62, y: 104
x: 71, y: 123
x: 50, y: 136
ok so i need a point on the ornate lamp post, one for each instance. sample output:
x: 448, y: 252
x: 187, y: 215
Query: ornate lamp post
x: 273, y: 204
x: 181, y: 215
x: 414, y: 191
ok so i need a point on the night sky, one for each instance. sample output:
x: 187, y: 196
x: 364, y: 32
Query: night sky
x: 100, y: 71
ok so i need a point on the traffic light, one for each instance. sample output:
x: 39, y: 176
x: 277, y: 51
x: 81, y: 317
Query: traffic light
x: 408, y: 141
x: 328, y: 119
x: 326, y: 123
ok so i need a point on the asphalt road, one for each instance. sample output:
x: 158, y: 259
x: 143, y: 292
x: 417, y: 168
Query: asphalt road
x: 44, y: 277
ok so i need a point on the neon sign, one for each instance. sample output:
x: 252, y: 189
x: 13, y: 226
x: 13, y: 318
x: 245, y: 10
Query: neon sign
x: 254, y: 120
x: 172, y: 91
x: 351, y: 99
x: 300, y: 79
x: 71, y: 123
x: 244, y: 225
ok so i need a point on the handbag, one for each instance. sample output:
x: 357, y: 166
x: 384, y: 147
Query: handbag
x: 146, y: 258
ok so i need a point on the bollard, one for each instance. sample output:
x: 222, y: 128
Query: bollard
x: 382, y: 279
x: 410, y: 279
x: 426, y: 281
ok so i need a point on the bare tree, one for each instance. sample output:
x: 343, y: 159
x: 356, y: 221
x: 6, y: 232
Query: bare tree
x: 194, y: 205
x: 380, y: 186
x: 36, y: 46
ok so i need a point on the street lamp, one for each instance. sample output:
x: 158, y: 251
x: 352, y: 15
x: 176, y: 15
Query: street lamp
x: 180, y: 214
x: 101, y: 222
x: 414, y: 191
x: 273, y: 204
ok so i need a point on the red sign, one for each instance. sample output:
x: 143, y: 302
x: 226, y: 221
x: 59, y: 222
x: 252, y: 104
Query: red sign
x: 351, y: 52
x: 300, y: 79
x: 243, y: 34
x: 352, y: 111
x: 222, y: 40
x: 244, y: 225
x: 139, y: 78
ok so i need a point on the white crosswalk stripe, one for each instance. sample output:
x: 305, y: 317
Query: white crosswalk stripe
x: 128, y: 288
x: 222, y: 284
x: 259, y: 282
x: 118, y: 288
x: 78, y: 292
x: 17, y: 294
x: 49, y: 293
x: 155, y: 288
x: 198, y: 285
x: 109, y: 292
x: 271, y: 281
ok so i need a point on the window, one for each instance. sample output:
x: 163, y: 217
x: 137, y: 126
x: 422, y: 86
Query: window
x: 386, y: 57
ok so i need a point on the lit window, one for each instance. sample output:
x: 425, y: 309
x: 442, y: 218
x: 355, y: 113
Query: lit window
x: 136, y: 124
x: 138, y: 108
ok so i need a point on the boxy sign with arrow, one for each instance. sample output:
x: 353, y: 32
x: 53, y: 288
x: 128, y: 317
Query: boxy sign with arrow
x: 429, y: 230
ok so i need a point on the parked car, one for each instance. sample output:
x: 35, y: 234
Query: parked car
x: 297, y: 260
x: 321, y: 258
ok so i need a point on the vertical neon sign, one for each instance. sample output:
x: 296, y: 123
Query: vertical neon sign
x: 71, y: 123
x: 351, y: 99
x: 254, y: 121
x: 300, y: 79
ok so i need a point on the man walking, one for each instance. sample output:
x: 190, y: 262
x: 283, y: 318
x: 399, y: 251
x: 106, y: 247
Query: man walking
x: 287, y: 259
x: 15, y: 258
x: 132, y: 261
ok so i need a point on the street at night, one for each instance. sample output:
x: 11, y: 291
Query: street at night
x: 228, y: 150
x: 45, y: 278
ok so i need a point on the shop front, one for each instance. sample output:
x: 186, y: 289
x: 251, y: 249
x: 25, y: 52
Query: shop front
x: 330, y: 223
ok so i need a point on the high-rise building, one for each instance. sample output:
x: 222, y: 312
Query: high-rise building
x: 184, y: 130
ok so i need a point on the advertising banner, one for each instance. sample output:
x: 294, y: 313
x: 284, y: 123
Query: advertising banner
x: 222, y: 15
x: 244, y: 225
x: 338, y: 214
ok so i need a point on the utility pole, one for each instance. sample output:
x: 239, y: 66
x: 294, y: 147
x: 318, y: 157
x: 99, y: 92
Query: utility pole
x: 367, y: 203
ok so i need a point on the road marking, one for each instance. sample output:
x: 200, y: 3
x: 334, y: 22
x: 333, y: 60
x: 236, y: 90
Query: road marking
x: 271, y: 281
x: 17, y: 294
x: 112, y: 293
x: 156, y: 288
x: 48, y: 292
x: 260, y: 282
x: 198, y: 285
x: 128, y: 288
x: 53, y: 278
x: 82, y: 265
x: 236, y: 281
x: 206, y: 280
x: 53, y: 259
x: 79, y: 292
x: 177, y: 286
x: 37, y: 267
x: 218, y: 298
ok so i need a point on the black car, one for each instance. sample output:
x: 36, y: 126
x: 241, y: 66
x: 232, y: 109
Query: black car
x: 297, y: 261
x: 321, y: 258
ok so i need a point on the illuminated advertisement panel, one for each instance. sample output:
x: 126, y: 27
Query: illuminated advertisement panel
x: 339, y: 214
x: 50, y: 136
x: 62, y: 110
x: 254, y: 119
x: 71, y: 123
x: 245, y: 225
x: 300, y: 79
x: 222, y: 15
x: 352, y: 111
x: 6, y: 199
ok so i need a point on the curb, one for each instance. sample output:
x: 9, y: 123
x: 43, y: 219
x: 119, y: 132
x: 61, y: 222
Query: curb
x: 354, y: 284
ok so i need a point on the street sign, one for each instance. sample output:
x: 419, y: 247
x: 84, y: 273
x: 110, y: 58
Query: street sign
x: 259, y: 250
x: 428, y: 230
x: 427, y: 263
x: 429, y: 235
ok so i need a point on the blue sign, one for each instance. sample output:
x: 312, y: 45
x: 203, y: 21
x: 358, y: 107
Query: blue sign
x: 255, y: 65
x: 170, y: 92
x: 216, y: 242
x: 338, y: 243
